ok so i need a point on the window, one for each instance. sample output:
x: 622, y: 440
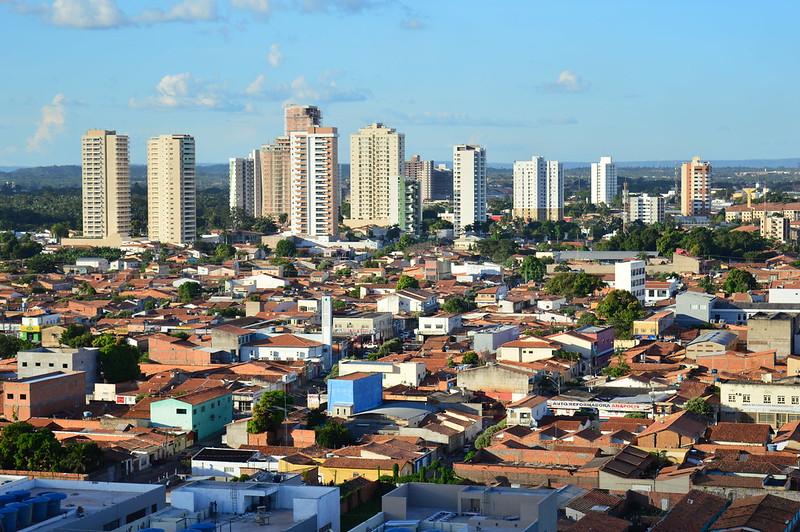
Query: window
x: 746, y: 398
x: 767, y: 399
x: 23, y: 396
x: 24, y: 364
x: 781, y: 399
x: 51, y: 365
x: 38, y: 364
x: 795, y: 400
x: 9, y: 396
x: 180, y: 410
x: 228, y: 469
x: 203, y: 408
x: 732, y: 398
x: 64, y: 366
x: 194, y: 410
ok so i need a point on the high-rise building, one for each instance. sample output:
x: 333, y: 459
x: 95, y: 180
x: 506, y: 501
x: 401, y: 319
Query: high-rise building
x: 241, y: 174
x: 405, y: 204
x: 171, y: 189
x: 302, y: 117
x: 469, y: 186
x: 696, y: 188
x: 315, y: 190
x: 442, y: 183
x: 604, y: 181
x: 421, y: 171
x: 272, y: 163
x: 539, y: 189
x: 646, y: 209
x: 105, y: 169
x: 377, y: 155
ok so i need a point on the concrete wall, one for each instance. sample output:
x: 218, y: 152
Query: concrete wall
x: 493, y: 379
x: 41, y: 361
x: 765, y: 333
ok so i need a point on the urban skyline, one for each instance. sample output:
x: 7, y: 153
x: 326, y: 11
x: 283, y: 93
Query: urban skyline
x: 624, y: 86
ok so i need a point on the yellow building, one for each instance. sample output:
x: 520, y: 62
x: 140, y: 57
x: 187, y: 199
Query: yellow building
x: 652, y: 326
x: 338, y: 469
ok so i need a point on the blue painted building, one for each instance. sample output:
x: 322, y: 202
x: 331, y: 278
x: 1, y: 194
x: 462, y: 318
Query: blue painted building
x: 206, y: 412
x: 354, y: 393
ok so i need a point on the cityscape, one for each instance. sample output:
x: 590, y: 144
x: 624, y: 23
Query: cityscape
x: 409, y: 269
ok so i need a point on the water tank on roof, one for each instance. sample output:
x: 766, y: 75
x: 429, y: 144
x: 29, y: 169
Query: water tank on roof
x: 8, y: 516
x: 24, y: 513
x: 203, y: 527
x: 54, y: 506
x: 87, y: 413
x: 153, y: 530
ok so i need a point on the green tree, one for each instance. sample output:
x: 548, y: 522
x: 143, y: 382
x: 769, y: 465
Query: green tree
x: 11, y: 345
x: 288, y: 267
x: 119, y: 363
x: 41, y: 264
x: 285, y: 248
x: 471, y: 358
x: 315, y: 418
x: 698, y: 405
x: 406, y: 281
x: 59, y: 230
x: 572, y: 284
x: 739, y: 280
x: 76, y: 336
x: 333, y: 373
x: 458, y: 305
x: 532, y: 269
x: 395, y: 345
x: 81, y: 458
x: 636, y: 415
x: 620, y: 369
x: 326, y: 264
x: 269, y: 412
x: 620, y: 309
x: 333, y: 435
x: 588, y: 318
x: 189, y: 291
x: 224, y: 252
x: 485, y: 437
x: 338, y: 304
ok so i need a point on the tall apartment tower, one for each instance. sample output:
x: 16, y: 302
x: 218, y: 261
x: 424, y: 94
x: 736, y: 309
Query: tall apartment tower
x: 106, y: 184
x: 377, y: 155
x: 422, y: 171
x: 539, y: 189
x: 171, y: 189
x: 696, y: 188
x: 273, y: 162
x: 645, y: 208
x: 315, y: 188
x: 405, y: 204
x: 241, y: 174
x: 469, y: 186
x: 604, y: 181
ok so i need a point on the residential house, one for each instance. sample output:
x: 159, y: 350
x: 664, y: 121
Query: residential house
x: 409, y: 300
x: 206, y: 412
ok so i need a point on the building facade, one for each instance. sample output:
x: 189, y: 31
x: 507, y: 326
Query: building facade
x: 604, y: 181
x: 696, y: 188
x: 377, y: 154
x: 630, y: 275
x: 405, y: 204
x: 242, y: 184
x: 105, y: 183
x: 171, y: 189
x: 315, y: 188
x: 645, y: 208
x: 539, y: 189
x: 422, y: 171
x: 469, y: 186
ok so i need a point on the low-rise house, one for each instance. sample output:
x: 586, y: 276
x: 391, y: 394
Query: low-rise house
x: 439, y: 324
x: 205, y: 412
x: 528, y: 349
x: 354, y: 393
x: 755, y: 434
x: 675, y: 431
x: 283, y: 347
x: 408, y: 300
x: 393, y: 373
x: 527, y: 411
x: 42, y: 360
x: 44, y: 395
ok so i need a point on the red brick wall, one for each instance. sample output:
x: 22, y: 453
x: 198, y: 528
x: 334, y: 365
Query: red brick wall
x: 43, y: 398
x: 527, y: 476
x: 536, y: 456
x: 165, y: 352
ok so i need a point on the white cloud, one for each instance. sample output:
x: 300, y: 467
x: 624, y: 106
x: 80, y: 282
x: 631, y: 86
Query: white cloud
x: 345, y: 6
x: 567, y: 82
x: 412, y: 24
x: 324, y: 90
x: 275, y: 57
x: 86, y: 14
x: 257, y: 86
x: 54, y: 117
x: 186, y: 11
x: 260, y: 7
x: 184, y: 91
x: 456, y: 119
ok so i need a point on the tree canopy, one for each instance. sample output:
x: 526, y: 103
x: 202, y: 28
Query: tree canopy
x: 119, y: 362
x: 573, y: 284
x: 620, y: 309
x: 269, y: 412
x: 285, y: 248
x: 698, y: 405
x: 458, y: 305
x: 189, y: 291
x: 532, y: 269
x: 333, y: 435
x: 406, y: 281
x: 25, y: 448
x: 739, y: 280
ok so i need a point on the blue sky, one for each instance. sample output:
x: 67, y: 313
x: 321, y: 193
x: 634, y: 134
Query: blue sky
x: 570, y: 80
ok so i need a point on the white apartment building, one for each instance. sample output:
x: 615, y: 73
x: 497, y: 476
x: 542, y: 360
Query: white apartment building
x: 469, y: 186
x: 315, y: 189
x: 538, y: 189
x: 171, y: 189
x: 630, y: 275
x: 106, y: 186
x: 645, y: 208
x: 242, y: 187
x: 377, y: 155
x: 604, y: 181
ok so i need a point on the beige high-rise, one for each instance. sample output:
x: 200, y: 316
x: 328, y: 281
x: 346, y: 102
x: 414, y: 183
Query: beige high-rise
x: 171, y: 189
x: 315, y: 192
x: 696, y: 188
x: 106, y: 184
x: 377, y: 156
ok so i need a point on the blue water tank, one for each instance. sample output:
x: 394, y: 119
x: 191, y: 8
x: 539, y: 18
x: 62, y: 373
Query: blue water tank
x: 24, y: 513
x: 152, y: 530
x: 39, y: 508
x: 8, y: 516
x: 398, y: 530
x: 20, y: 495
x: 204, y: 527
x: 54, y: 506
x: 5, y: 499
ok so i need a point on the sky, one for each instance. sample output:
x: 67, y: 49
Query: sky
x: 568, y: 80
